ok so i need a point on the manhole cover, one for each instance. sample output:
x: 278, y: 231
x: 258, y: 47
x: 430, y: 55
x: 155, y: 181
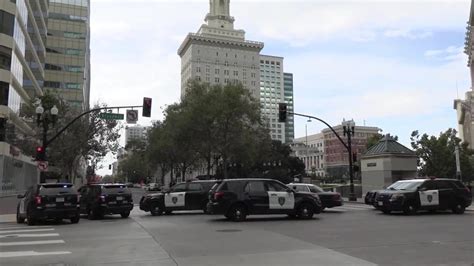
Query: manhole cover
x: 228, y: 230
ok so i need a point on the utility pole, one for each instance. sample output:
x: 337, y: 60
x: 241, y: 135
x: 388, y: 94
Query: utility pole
x: 458, y: 163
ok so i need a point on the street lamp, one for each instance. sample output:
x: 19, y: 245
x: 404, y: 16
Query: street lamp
x: 348, y: 128
x: 45, y: 118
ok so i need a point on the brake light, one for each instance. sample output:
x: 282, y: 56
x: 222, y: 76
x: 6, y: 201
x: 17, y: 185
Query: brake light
x: 218, y: 195
x: 38, y: 200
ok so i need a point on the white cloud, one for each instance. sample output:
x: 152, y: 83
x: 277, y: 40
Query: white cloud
x: 449, y: 54
x: 403, y: 33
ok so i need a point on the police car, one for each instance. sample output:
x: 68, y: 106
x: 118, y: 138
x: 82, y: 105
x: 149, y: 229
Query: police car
x: 410, y: 196
x: 237, y: 198
x: 182, y: 196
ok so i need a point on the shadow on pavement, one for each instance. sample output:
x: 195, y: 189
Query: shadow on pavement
x: 263, y: 219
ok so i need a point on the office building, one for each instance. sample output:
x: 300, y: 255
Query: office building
x: 465, y: 108
x: 289, y: 100
x: 220, y: 54
x: 22, y: 54
x: 67, y: 68
x: 271, y: 93
x: 310, y: 149
x: 135, y: 133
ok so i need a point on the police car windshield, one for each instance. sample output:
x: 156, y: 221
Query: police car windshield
x: 405, y: 185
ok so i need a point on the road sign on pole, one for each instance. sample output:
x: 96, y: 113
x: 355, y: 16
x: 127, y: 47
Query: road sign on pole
x: 42, y: 166
x: 132, y: 116
x: 111, y: 116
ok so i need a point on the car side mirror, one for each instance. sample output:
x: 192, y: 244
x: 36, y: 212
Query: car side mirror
x: 20, y: 196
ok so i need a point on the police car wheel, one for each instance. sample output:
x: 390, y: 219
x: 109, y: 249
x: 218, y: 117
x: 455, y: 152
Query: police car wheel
x: 458, y: 208
x: 305, y: 211
x: 75, y: 219
x: 125, y: 214
x: 410, y: 209
x: 156, y: 210
x: 30, y: 220
x: 237, y: 213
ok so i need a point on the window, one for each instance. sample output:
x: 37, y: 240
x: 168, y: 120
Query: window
x: 216, y: 80
x: 274, y: 186
x: 7, y: 21
x: 300, y: 188
x: 5, y: 57
x: 76, y: 86
x: 217, y: 71
x: 315, y: 189
x: 4, y: 92
x: 441, y: 184
x: 255, y: 187
x: 194, y: 187
x: 179, y: 188
x: 52, y: 84
x: 198, y: 69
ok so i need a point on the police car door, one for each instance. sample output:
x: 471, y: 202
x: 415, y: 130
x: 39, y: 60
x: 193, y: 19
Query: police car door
x: 193, y: 197
x: 176, y: 198
x: 429, y: 195
x: 446, y: 194
x: 255, y: 197
x: 280, y: 200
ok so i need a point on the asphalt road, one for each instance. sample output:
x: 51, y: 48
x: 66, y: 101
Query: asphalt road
x: 351, y: 235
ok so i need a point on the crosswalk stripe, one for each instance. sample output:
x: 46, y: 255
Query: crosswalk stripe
x: 24, y: 243
x: 23, y: 227
x: 29, y: 235
x: 26, y: 230
x: 30, y: 253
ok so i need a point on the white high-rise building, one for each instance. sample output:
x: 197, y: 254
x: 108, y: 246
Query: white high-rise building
x: 135, y: 132
x: 272, y: 93
x: 219, y: 54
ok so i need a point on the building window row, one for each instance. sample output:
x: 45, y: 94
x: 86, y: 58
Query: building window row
x: 63, y: 85
x: 7, y: 22
x: 67, y: 68
x: 65, y: 51
x: 61, y: 16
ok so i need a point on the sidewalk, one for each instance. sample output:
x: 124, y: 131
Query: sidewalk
x: 361, y: 201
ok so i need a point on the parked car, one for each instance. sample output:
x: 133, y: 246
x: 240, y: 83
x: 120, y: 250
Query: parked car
x: 98, y: 200
x: 370, y: 197
x: 410, y: 196
x: 237, y: 198
x: 328, y: 199
x: 182, y: 196
x: 48, y: 201
x: 153, y: 187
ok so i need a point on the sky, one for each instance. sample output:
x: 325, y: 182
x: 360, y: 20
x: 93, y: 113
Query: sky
x: 397, y: 65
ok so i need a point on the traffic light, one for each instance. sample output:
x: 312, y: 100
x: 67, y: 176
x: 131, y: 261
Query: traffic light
x: 282, y: 112
x: 40, y: 153
x: 146, y: 107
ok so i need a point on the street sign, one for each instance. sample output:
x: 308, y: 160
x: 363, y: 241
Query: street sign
x: 42, y: 166
x: 111, y: 116
x: 132, y: 116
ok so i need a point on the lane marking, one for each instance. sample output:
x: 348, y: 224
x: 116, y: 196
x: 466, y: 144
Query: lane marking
x: 29, y: 235
x: 24, y: 243
x: 30, y: 253
x: 23, y: 227
x: 26, y: 230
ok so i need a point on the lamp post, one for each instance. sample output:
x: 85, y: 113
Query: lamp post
x: 348, y: 128
x: 45, y: 118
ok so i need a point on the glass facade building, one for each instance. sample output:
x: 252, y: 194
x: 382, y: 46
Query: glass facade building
x: 288, y: 98
x: 67, y: 68
x: 22, y: 57
x: 272, y: 93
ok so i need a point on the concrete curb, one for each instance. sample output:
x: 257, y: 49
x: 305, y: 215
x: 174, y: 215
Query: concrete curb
x: 7, y: 218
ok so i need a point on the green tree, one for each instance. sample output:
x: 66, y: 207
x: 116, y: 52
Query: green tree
x: 436, y: 155
x: 89, y: 137
x: 374, y: 139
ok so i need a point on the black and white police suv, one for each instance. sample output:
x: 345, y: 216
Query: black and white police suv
x: 98, y: 200
x: 182, y: 196
x: 48, y: 201
x: 410, y: 196
x: 237, y: 198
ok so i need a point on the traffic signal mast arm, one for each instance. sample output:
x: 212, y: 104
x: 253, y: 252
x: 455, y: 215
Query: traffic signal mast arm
x: 324, y: 122
x: 45, y: 144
